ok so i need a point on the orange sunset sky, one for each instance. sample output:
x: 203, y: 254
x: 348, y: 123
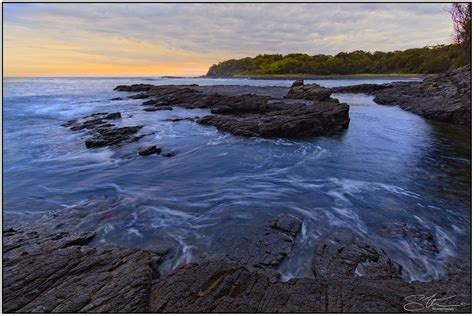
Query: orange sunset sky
x: 185, y: 39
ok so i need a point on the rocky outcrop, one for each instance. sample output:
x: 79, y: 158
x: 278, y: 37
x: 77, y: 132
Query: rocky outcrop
x: 150, y: 150
x: 308, y: 92
x: 251, y: 114
x: 60, y: 273
x: 443, y: 97
x: 266, y: 247
x: 104, y: 133
x: 64, y: 272
x: 344, y: 254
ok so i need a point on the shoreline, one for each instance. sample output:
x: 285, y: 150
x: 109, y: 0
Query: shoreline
x: 321, y: 77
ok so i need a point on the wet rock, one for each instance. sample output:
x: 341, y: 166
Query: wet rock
x: 341, y: 253
x: 134, y: 88
x: 444, y: 97
x: 92, y: 121
x: 113, y: 136
x: 366, y: 88
x: 116, y: 99
x: 54, y: 273
x: 289, y: 120
x: 168, y: 154
x: 158, y: 108
x: 264, y: 248
x: 415, y: 235
x: 297, y: 83
x: 139, y: 96
x: 287, y: 223
x: 62, y: 272
x: 256, y: 115
x: 149, y: 151
x: 220, y: 286
x: 309, y: 92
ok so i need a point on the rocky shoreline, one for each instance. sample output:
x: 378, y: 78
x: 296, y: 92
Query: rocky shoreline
x: 60, y: 271
x: 444, y: 97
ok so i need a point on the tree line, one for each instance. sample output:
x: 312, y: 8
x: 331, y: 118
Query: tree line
x: 426, y: 60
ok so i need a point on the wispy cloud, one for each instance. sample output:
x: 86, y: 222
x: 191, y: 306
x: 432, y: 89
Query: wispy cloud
x: 186, y: 39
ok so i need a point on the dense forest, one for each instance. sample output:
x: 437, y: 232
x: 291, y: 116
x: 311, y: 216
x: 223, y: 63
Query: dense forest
x: 424, y: 60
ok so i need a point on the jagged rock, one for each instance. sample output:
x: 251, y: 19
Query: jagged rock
x: 219, y: 286
x: 92, y: 121
x: 139, y: 96
x: 60, y: 272
x: 297, y: 83
x: 341, y: 253
x: 63, y: 272
x: 112, y: 136
x: 251, y: 114
x: 415, y: 235
x: 444, y: 97
x: 158, y: 108
x: 149, y: 151
x: 309, y: 92
x: 134, y: 88
x: 266, y: 247
x: 294, y: 120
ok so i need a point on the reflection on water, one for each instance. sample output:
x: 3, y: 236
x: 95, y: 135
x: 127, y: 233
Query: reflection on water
x: 389, y: 167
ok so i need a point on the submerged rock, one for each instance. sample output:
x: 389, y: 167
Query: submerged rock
x: 113, y: 136
x: 168, y: 154
x: 149, y: 151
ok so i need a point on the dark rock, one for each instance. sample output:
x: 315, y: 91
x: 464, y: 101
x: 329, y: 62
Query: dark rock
x: 112, y: 136
x: 287, y: 224
x: 341, y: 253
x: 297, y: 83
x: 293, y: 120
x: 134, y: 88
x: 139, y: 96
x: 257, y: 115
x: 116, y: 99
x: 59, y: 273
x: 158, y: 108
x: 168, y: 154
x: 222, y: 287
x: 366, y: 88
x: 309, y: 92
x: 264, y: 248
x: 412, y: 234
x: 444, y: 97
x: 149, y: 151
x: 92, y: 121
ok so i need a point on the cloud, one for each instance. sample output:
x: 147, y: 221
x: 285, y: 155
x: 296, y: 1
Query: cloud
x: 167, y: 34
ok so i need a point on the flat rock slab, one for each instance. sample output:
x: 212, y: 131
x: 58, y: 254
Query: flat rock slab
x: 272, y: 114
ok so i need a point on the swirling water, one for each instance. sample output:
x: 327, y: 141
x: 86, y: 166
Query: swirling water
x: 390, y: 166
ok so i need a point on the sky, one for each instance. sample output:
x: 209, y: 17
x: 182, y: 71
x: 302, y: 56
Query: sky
x: 183, y: 39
